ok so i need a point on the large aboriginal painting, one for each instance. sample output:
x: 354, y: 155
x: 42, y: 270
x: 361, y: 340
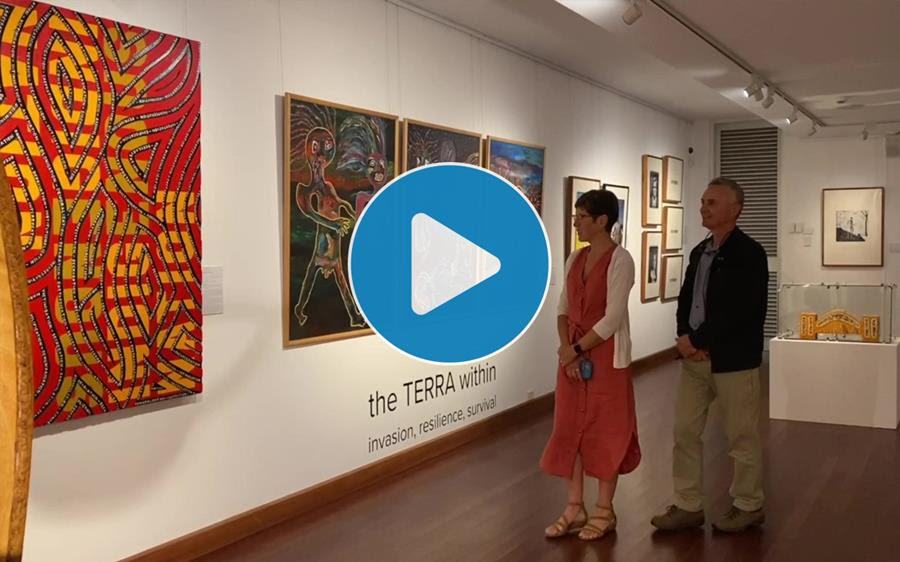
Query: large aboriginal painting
x: 100, y: 140
x: 336, y: 158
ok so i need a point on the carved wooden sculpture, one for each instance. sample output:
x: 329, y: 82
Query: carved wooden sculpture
x: 16, y: 395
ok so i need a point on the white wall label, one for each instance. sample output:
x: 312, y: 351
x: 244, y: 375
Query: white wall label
x: 213, y: 295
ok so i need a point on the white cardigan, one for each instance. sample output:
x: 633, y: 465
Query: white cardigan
x: 619, y: 281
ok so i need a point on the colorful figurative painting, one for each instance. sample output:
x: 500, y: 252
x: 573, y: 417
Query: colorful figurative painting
x: 100, y: 140
x: 521, y: 164
x: 336, y: 159
x: 425, y: 143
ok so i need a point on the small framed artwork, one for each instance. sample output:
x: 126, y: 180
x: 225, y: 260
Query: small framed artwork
x: 576, y: 186
x: 672, y: 269
x: 520, y: 163
x: 427, y: 143
x: 620, y: 229
x: 673, y: 176
x: 853, y: 227
x: 673, y: 227
x: 651, y: 212
x: 650, y: 254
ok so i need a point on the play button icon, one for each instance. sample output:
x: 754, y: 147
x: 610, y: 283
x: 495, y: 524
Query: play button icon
x: 449, y: 263
x: 433, y: 282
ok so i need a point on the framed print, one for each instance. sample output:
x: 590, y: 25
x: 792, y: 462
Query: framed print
x: 620, y: 229
x: 672, y: 270
x: 425, y: 143
x: 650, y: 254
x: 336, y: 158
x: 673, y: 176
x: 853, y: 227
x: 673, y: 227
x: 519, y: 163
x: 575, y: 188
x: 651, y: 213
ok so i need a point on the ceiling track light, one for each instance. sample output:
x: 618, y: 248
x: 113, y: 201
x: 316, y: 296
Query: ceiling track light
x: 767, y: 103
x: 633, y: 13
x: 812, y: 130
x: 754, y: 88
x: 792, y: 117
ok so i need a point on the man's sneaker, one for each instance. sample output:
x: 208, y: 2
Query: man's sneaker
x: 736, y: 520
x: 677, y: 519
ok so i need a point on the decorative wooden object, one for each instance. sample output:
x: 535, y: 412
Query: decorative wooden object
x: 839, y: 322
x: 16, y: 382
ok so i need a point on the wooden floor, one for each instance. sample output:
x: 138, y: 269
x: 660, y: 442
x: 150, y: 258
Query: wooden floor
x: 833, y: 493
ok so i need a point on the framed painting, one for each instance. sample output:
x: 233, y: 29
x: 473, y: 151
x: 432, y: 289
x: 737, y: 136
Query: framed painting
x: 425, y: 143
x: 651, y: 213
x: 519, y: 163
x: 335, y: 158
x: 673, y: 177
x: 673, y: 228
x: 853, y: 227
x: 672, y: 270
x: 650, y: 256
x: 575, y: 188
x: 620, y: 229
x: 100, y: 139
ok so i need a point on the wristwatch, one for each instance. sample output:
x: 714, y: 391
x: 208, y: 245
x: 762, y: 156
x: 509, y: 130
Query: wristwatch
x: 577, y: 347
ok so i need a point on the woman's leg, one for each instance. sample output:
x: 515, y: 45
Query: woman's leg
x: 574, y: 510
x: 604, y: 519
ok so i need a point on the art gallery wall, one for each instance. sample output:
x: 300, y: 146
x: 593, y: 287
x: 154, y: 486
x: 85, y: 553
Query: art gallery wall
x: 272, y: 421
x: 807, y: 166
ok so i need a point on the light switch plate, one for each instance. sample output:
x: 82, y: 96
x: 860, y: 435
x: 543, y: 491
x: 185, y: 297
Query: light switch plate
x: 807, y: 241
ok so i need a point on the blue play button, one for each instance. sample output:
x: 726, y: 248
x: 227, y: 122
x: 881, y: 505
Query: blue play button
x: 449, y: 263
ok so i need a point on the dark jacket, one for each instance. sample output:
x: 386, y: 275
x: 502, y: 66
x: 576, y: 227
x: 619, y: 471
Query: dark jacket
x: 736, y: 299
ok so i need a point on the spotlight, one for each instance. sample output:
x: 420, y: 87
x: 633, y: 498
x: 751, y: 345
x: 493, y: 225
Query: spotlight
x: 767, y: 103
x: 633, y: 13
x: 754, y: 88
x: 792, y: 117
x: 865, y: 133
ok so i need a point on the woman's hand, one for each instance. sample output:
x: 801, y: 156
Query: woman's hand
x: 566, y: 354
x: 573, y: 371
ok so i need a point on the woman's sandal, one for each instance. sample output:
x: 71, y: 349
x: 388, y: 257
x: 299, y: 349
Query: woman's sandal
x: 563, y: 527
x: 599, y: 525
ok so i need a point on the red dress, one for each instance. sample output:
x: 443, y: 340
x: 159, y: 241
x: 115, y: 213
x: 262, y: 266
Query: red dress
x: 593, y: 418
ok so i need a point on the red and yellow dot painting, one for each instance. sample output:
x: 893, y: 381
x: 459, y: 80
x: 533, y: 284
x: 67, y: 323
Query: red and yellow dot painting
x: 100, y: 139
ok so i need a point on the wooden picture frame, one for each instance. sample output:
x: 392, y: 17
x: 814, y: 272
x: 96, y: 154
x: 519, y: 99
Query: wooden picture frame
x: 433, y: 143
x: 651, y: 192
x: 316, y: 308
x: 520, y: 163
x: 672, y: 272
x: 853, y: 227
x: 575, y: 186
x: 673, y: 179
x: 673, y: 229
x: 620, y: 230
x: 651, y: 250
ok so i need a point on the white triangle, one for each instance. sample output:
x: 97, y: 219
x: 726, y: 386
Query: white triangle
x: 444, y: 264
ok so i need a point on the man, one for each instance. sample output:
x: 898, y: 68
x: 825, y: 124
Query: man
x: 721, y: 311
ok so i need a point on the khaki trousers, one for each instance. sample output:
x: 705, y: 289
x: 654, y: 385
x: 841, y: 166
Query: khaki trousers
x: 738, y: 395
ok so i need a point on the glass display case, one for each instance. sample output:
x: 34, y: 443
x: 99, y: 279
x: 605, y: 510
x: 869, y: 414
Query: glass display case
x: 840, y: 312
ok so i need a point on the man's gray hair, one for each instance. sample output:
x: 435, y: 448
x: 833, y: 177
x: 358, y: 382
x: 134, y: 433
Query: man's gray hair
x: 732, y: 185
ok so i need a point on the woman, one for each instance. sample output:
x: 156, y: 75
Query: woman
x: 594, y: 427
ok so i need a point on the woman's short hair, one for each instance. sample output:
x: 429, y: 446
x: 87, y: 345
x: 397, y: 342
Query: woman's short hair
x: 598, y: 202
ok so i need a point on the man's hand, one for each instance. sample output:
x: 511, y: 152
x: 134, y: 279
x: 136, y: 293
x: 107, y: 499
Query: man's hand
x: 699, y: 356
x: 685, y: 347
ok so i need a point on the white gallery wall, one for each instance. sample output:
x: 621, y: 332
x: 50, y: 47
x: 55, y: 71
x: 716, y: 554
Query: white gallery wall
x: 809, y: 165
x: 273, y: 421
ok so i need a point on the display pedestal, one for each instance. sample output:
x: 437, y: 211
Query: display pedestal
x: 846, y: 383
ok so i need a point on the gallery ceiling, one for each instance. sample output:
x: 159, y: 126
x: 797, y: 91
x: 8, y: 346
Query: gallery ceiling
x: 839, y: 60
